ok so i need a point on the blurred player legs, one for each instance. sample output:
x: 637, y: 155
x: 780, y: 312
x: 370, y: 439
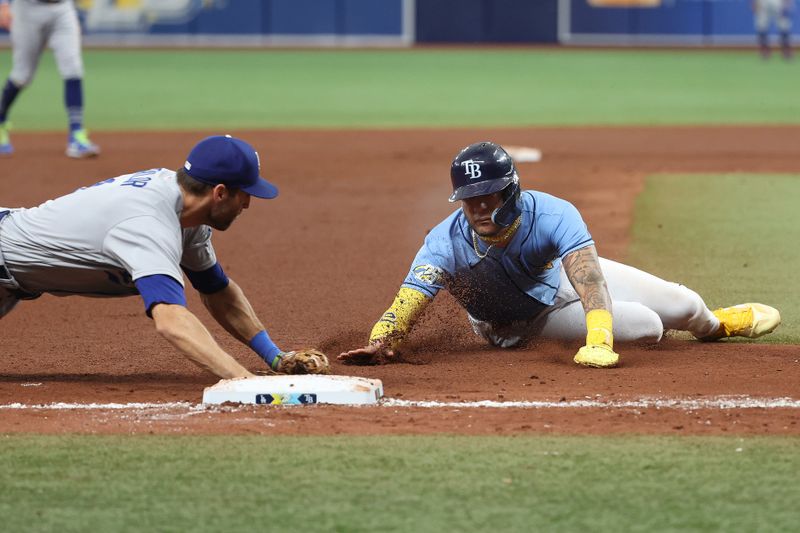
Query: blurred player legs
x: 35, y: 25
x: 779, y: 11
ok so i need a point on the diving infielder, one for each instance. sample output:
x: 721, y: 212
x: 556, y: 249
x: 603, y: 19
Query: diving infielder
x: 34, y: 25
x: 524, y: 266
x: 780, y: 11
x: 138, y: 234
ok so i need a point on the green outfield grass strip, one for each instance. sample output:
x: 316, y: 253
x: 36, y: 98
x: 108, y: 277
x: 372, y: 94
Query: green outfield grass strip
x: 732, y: 238
x: 202, y: 483
x: 229, y: 89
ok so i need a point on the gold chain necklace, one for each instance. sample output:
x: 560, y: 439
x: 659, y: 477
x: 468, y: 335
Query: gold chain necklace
x: 475, y: 246
x: 504, y: 237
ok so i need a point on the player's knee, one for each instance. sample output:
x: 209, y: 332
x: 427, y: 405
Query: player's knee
x: 651, y: 330
x: 688, y: 307
x: 641, y: 325
x: 71, y: 71
x: 505, y: 342
x: 490, y: 334
x: 21, y: 80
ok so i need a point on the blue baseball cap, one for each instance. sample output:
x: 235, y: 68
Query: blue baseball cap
x: 229, y: 161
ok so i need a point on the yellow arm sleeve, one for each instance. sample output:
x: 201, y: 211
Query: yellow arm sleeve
x: 599, y: 327
x: 397, y: 321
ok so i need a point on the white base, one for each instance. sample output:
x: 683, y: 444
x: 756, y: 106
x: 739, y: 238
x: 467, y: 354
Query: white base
x: 295, y: 390
x: 524, y: 154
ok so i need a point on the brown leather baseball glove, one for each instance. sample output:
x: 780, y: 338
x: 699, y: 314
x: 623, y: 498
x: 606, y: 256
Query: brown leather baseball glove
x: 305, y: 361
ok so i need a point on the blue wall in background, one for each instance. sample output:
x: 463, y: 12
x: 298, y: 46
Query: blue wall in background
x: 288, y: 17
x: 487, y: 21
x: 436, y: 21
x: 536, y: 21
x: 704, y: 19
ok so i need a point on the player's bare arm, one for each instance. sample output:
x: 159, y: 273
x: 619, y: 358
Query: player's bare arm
x: 5, y: 15
x: 583, y: 270
x: 232, y: 310
x: 184, y: 331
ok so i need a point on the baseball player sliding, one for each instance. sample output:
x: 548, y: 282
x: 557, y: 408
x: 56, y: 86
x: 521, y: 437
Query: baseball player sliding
x: 134, y: 234
x: 524, y: 266
x: 34, y: 25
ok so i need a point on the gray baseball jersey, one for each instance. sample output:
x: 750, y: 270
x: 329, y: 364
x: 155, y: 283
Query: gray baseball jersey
x: 99, y: 239
x: 37, y: 25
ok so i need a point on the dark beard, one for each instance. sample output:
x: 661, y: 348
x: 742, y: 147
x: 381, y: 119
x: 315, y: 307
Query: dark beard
x: 219, y: 222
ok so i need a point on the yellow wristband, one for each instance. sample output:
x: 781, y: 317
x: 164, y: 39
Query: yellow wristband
x: 599, y: 328
x: 396, y: 322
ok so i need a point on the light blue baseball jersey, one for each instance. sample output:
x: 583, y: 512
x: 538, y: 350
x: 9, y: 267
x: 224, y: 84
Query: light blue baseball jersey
x: 516, y: 282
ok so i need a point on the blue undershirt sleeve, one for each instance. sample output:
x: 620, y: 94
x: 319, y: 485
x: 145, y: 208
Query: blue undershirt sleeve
x: 207, y: 281
x: 160, y: 289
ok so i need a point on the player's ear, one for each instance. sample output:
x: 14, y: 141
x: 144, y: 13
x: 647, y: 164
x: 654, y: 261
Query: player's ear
x: 220, y: 192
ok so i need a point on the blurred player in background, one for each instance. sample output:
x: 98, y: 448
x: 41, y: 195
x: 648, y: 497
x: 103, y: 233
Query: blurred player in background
x: 35, y: 24
x: 780, y: 11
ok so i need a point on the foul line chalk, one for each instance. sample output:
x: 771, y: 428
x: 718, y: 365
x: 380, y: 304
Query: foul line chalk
x: 720, y: 402
x: 642, y: 403
x: 100, y: 406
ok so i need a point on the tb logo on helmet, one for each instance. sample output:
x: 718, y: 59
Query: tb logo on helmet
x: 472, y: 169
x: 485, y: 168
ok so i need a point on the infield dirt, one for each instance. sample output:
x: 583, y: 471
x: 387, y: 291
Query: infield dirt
x: 322, y: 261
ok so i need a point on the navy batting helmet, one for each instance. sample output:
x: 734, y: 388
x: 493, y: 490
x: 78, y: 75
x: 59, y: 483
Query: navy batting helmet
x: 485, y: 168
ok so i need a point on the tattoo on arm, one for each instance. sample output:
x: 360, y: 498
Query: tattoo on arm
x: 583, y: 270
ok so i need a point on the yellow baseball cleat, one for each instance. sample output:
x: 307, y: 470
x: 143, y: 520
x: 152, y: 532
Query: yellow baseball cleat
x: 80, y: 147
x: 5, y: 140
x: 597, y: 356
x: 746, y: 320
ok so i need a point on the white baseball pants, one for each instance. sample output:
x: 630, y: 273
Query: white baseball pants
x: 643, y: 307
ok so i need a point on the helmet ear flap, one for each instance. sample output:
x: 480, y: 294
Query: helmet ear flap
x: 506, y: 214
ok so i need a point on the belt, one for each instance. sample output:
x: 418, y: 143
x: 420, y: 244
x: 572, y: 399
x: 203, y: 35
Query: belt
x: 7, y: 281
x: 4, y: 273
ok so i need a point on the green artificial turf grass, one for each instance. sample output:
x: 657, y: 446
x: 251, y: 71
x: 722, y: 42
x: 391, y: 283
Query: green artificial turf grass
x: 218, y: 89
x: 446, y: 483
x: 732, y: 238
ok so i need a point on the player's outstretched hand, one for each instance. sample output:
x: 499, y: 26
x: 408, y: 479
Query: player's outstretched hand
x: 372, y: 354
